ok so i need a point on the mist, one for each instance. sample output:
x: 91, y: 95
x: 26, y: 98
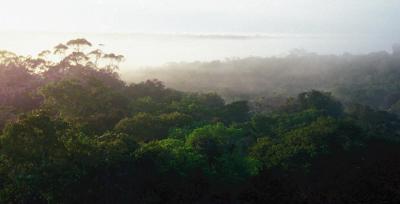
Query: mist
x: 212, y: 101
x: 156, y: 49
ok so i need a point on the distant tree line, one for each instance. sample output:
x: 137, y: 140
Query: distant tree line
x: 368, y: 79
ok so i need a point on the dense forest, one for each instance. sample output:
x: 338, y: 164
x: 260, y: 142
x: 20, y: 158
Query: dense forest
x: 370, y: 79
x: 300, y: 129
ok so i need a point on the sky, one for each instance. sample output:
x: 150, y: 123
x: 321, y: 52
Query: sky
x: 201, y: 29
x: 373, y: 17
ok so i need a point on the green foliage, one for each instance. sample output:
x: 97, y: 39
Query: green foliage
x: 144, y: 104
x: 377, y: 124
x: 297, y: 148
x: 146, y: 127
x: 115, y: 147
x: 169, y: 155
x: 316, y: 100
x: 46, y: 160
x: 90, y: 138
x: 6, y: 114
x: 234, y: 169
x: 153, y: 89
x: 200, y: 106
x: 175, y: 119
x: 34, y: 155
x: 215, y: 140
x: 143, y: 127
x: 237, y: 111
x: 92, y: 105
x: 275, y: 125
x: 225, y: 150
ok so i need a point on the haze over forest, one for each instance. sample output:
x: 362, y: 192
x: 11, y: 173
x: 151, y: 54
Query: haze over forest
x: 181, y: 101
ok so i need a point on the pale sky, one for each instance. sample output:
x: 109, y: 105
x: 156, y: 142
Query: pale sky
x: 204, y: 16
x: 356, y: 26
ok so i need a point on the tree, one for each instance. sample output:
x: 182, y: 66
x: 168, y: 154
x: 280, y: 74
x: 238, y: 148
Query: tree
x: 60, y: 49
x: 175, y: 119
x: 215, y: 140
x: 18, y: 84
x: 79, y: 43
x: 146, y: 127
x: 169, y: 171
x: 376, y: 123
x: 203, y: 107
x: 143, y: 127
x: 33, y: 151
x: 44, y: 54
x: 225, y: 151
x: 7, y: 114
x: 114, y: 60
x: 298, y: 148
x: 97, y: 54
x: 237, y: 111
x: 91, y: 105
x: 320, y: 101
x: 77, y: 59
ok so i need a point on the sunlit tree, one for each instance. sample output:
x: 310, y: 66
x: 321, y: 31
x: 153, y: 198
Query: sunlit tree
x: 79, y: 43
